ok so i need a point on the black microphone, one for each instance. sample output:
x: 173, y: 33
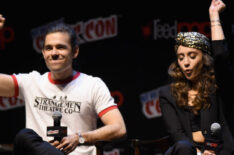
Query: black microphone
x: 57, y: 131
x: 214, y: 142
x: 57, y: 116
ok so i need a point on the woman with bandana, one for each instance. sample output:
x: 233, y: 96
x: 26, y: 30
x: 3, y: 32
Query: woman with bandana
x: 192, y: 103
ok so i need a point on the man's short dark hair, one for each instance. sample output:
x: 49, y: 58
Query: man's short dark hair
x: 62, y: 27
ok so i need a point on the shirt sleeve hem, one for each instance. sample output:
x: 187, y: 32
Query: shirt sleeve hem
x: 16, y: 85
x: 107, y: 110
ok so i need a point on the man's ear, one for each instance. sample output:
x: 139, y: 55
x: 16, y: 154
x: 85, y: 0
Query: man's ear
x: 76, y: 52
x: 42, y: 52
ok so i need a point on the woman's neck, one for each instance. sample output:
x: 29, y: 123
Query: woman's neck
x: 191, y: 97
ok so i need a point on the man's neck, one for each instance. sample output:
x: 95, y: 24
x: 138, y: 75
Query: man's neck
x: 62, y: 75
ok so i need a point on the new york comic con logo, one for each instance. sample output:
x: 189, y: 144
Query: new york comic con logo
x: 57, y: 104
x: 87, y: 31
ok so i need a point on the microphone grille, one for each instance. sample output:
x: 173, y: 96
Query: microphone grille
x: 215, y: 127
x: 57, y: 115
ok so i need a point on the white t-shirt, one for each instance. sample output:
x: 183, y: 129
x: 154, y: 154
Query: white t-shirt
x: 80, y: 99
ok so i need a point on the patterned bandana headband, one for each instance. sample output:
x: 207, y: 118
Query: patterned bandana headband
x: 193, y: 40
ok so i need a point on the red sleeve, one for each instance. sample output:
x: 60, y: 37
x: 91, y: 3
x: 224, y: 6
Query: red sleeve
x: 106, y: 110
x: 16, y: 85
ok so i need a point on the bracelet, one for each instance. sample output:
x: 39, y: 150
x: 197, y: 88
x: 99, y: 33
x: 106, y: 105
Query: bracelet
x: 216, y: 20
x: 215, y: 25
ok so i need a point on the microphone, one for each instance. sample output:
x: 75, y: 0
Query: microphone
x: 57, y: 131
x: 214, y: 142
x: 57, y: 118
x: 215, y: 129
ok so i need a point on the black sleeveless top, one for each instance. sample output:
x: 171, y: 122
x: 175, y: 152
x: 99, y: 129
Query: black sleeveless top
x: 194, y: 120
